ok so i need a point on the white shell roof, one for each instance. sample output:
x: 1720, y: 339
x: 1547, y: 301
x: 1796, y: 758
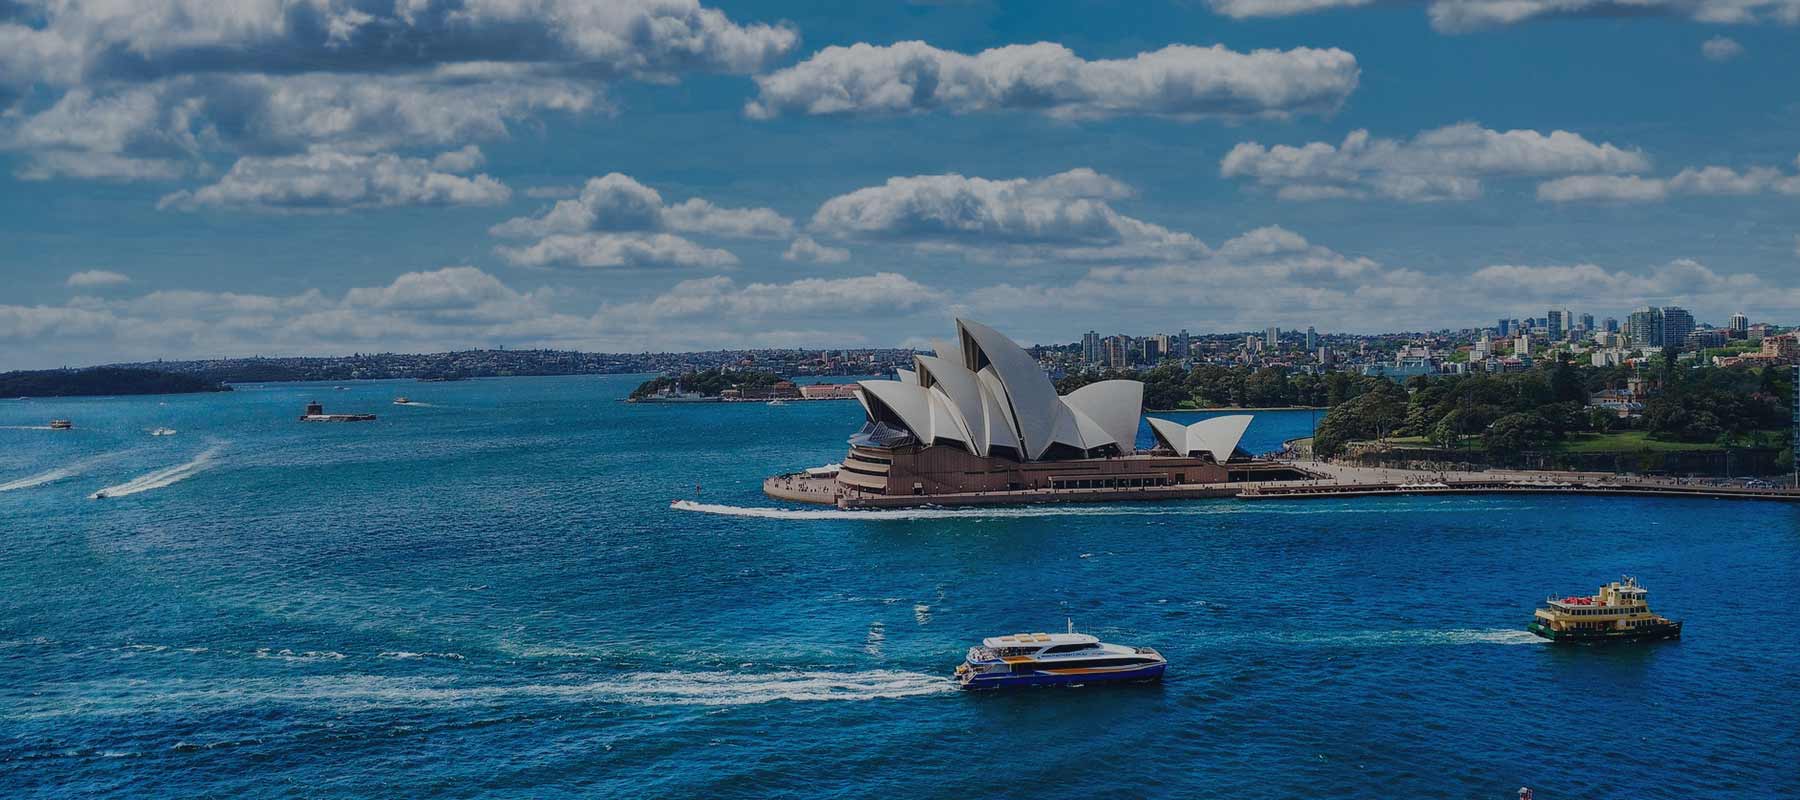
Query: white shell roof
x: 988, y: 392
x: 1218, y: 436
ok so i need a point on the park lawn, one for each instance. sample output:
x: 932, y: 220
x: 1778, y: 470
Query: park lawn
x: 1640, y: 441
x: 1616, y: 442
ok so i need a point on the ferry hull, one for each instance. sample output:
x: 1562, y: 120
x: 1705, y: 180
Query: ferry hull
x: 1153, y: 672
x: 1649, y: 634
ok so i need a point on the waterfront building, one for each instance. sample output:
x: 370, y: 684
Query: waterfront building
x: 980, y: 415
x: 1677, y: 323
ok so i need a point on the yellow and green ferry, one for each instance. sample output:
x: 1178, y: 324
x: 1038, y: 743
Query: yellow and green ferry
x: 1619, y: 612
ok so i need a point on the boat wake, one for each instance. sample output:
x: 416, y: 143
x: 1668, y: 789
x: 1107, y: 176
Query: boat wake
x: 52, y: 475
x: 361, y: 692
x: 1403, y: 638
x: 162, y: 477
x: 27, y: 427
x: 1149, y: 509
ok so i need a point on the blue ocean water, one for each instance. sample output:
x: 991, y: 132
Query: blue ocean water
x: 488, y: 595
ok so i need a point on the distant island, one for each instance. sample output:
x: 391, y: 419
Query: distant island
x: 102, y: 381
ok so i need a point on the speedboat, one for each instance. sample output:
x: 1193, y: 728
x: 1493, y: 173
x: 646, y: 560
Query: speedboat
x: 1056, y: 659
x: 777, y: 402
x: 162, y: 432
x: 61, y: 424
x: 402, y: 401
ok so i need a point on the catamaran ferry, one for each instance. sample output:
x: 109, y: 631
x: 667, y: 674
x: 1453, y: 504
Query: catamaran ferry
x: 1618, y: 613
x: 1052, y: 659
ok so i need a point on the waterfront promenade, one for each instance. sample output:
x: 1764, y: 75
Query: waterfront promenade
x: 1332, y: 480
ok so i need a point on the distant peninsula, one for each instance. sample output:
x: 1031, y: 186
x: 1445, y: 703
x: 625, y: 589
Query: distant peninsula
x: 710, y: 384
x: 102, y: 381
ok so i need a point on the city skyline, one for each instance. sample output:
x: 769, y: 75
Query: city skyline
x: 677, y: 175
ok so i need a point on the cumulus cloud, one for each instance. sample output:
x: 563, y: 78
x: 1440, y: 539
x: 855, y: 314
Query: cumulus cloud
x: 1445, y: 163
x: 458, y: 307
x: 1064, y: 216
x: 166, y: 128
x: 806, y: 248
x: 625, y: 250
x: 1460, y: 16
x: 1176, y: 81
x: 425, y: 310
x: 616, y: 221
x: 146, y: 90
x: 1703, y: 181
x: 617, y: 202
x: 1721, y: 48
x: 326, y: 180
x: 96, y: 279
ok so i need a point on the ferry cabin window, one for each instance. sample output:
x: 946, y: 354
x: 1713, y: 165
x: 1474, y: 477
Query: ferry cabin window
x: 1071, y: 648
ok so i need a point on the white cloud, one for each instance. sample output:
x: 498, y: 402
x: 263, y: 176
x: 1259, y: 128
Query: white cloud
x: 1682, y: 281
x: 624, y: 250
x: 806, y: 248
x: 167, y: 127
x: 1703, y: 181
x: 96, y: 40
x: 617, y: 202
x: 467, y: 159
x: 1445, y: 163
x: 326, y: 180
x: 1063, y: 216
x: 1460, y: 16
x: 147, y: 90
x: 1177, y: 81
x: 96, y: 278
x: 1721, y: 48
x: 427, y: 310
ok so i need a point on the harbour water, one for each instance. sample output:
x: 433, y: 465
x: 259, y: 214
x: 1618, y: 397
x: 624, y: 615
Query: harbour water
x: 486, y: 594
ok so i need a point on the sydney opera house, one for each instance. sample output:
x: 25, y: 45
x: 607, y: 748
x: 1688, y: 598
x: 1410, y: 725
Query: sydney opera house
x: 980, y: 417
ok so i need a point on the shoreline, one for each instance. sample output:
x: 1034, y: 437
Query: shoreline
x: 1234, y: 408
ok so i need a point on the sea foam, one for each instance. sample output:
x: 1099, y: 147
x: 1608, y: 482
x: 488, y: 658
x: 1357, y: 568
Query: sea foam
x: 162, y: 477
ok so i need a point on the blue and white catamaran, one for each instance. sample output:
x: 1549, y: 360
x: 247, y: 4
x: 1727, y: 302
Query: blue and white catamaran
x: 1052, y: 659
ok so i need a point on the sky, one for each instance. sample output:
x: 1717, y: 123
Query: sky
x: 193, y: 179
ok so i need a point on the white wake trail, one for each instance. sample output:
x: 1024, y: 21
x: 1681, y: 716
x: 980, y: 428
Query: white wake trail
x: 69, y: 470
x: 162, y: 477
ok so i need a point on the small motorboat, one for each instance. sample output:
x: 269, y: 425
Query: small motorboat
x: 1056, y: 659
x: 402, y: 401
x: 61, y: 424
x: 777, y: 402
x: 162, y: 432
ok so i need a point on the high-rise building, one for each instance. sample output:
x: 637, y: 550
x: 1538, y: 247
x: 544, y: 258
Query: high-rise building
x: 1504, y: 329
x: 1185, y: 344
x: 1272, y: 337
x: 1312, y: 339
x: 1647, y: 327
x: 1153, y: 348
x: 1091, y: 350
x: 1118, y: 351
x: 1522, y: 347
x: 1587, y: 323
x: 1556, y: 321
x: 1677, y: 324
x: 1610, y: 325
x: 1740, y: 324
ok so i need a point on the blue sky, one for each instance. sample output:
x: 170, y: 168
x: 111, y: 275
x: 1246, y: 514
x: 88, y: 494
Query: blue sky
x: 327, y: 176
